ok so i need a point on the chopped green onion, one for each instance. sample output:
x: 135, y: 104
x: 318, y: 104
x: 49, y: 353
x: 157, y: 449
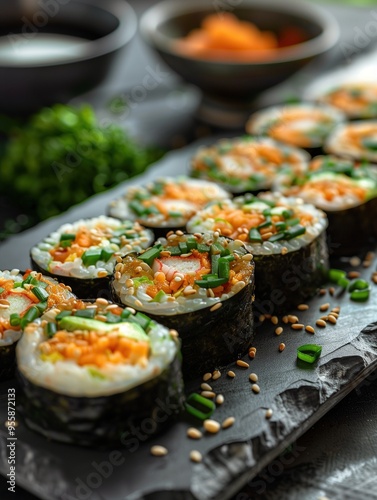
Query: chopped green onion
x: 191, y: 243
x: 65, y: 243
x: 106, y: 254
x: 280, y: 226
x: 91, y: 256
x: 254, y: 235
x: 266, y: 223
x: 62, y: 315
x: 292, y: 222
x: 360, y: 295
x: 203, y: 248
x: 276, y: 237
x: 18, y: 284
x: 40, y: 293
x: 86, y: 313
x: 152, y: 253
x: 175, y: 214
x: 2, y: 289
x: 15, y: 319
x: 287, y: 214
x: 183, y: 247
x: 174, y: 250
x: 358, y: 284
x: 215, y: 263
x: 211, y: 283
x: 159, y: 296
x: 294, y: 231
x: 137, y: 207
x: 67, y: 237
x: 142, y: 319
x: 126, y: 313
x: 41, y: 306
x: 199, y: 406
x: 309, y: 352
x: 112, y: 318
x: 32, y: 314
x: 343, y: 282
x: 224, y: 268
x: 335, y: 275
x: 51, y: 329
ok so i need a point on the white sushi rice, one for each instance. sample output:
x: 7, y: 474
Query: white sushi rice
x: 120, y: 208
x: 183, y: 303
x: 203, y: 222
x: 76, y: 269
x: 67, y: 377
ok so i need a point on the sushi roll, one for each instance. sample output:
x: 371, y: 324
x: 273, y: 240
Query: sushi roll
x: 23, y: 297
x: 89, y: 373
x: 347, y: 193
x: 303, y: 125
x: 200, y: 285
x: 83, y: 254
x: 248, y: 163
x: 287, y: 239
x: 167, y: 203
x: 356, y: 140
x: 355, y: 99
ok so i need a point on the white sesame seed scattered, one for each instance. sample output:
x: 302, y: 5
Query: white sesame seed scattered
x: 324, y: 307
x: 159, y: 451
x: 205, y: 387
x: 231, y: 374
x: 242, y: 363
x: 281, y: 347
x: 194, y: 433
x: 228, y: 422
x: 216, y: 374
x: 207, y: 376
x: 303, y: 307
x: 279, y: 330
x: 208, y: 394
x: 219, y: 399
x: 216, y: 306
x: 255, y: 388
x: 268, y: 413
x: 211, y: 426
x: 297, y: 326
x: 274, y: 320
x: 309, y: 329
x: 253, y: 377
x: 332, y: 319
x: 196, y: 456
x: 321, y: 323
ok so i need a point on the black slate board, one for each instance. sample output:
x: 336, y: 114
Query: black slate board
x: 299, y: 395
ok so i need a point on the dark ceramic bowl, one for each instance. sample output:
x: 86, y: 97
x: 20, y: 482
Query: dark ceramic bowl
x: 234, y: 83
x: 52, y: 51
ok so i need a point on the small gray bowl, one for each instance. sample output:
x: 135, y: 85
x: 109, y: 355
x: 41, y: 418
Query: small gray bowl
x: 229, y: 85
x: 83, y: 36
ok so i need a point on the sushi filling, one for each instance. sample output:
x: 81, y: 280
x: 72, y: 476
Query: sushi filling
x: 183, y: 273
x: 166, y: 202
x: 356, y: 140
x: 102, y: 351
x: 247, y: 164
x: 302, y: 125
x: 24, y: 298
x: 88, y: 248
x: 356, y: 100
x: 267, y: 223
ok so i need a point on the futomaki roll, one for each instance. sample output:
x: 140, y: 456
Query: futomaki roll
x: 90, y: 373
x: 287, y: 239
x: 347, y: 193
x: 168, y: 203
x: 356, y: 140
x: 248, y: 163
x: 200, y: 285
x: 354, y: 99
x: 23, y: 298
x: 83, y: 254
x: 304, y: 125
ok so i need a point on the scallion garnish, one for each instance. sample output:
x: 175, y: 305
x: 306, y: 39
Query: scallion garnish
x: 199, y: 406
x: 309, y: 352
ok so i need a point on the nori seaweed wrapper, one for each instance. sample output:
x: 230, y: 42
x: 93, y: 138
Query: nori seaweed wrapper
x: 352, y: 228
x: 7, y: 361
x: 105, y: 421
x: 83, y: 288
x: 284, y: 281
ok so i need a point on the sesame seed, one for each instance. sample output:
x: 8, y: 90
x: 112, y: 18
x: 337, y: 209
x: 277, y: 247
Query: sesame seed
x: 110, y: 307
x: 14, y: 272
x: 219, y: 399
x: 336, y: 309
x: 118, y: 267
x: 353, y: 275
x: 138, y: 303
x: 210, y: 292
x: 253, y: 377
x: 138, y: 269
x: 179, y: 233
x: 231, y: 374
x: 322, y: 291
x: 297, y: 326
x: 211, y: 426
x: 242, y: 363
x: 268, y: 413
x: 355, y: 261
x: 196, y: 456
x: 253, y: 349
x: 262, y: 318
x: 194, y: 433
x: 332, y: 319
x: 208, y: 394
x: 374, y: 278
x: 207, y: 376
x: 292, y: 318
x: 101, y: 317
x: 281, y: 347
x: 309, y: 329
x: 173, y: 333
x: 169, y: 233
x: 303, y: 307
x: 285, y: 319
x: 102, y: 274
x: 165, y: 253
x: 248, y: 257
x: 102, y: 301
x: 370, y: 256
x: 159, y: 451
x: 228, y: 422
x: 321, y: 323
x: 216, y: 306
x: 274, y: 320
x: 325, y: 317
x: 251, y: 354
x: 284, y: 250
x: 255, y: 388
x: 336, y: 315
x: 130, y: 291
x: 331, y: 290
x: 266, y: 236
x: 216, y: 374
x: 324, y: 307
x: 279, y: 330
x: 117, y: 275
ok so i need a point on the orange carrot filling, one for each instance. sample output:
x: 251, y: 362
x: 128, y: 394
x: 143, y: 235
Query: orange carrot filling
x: 95, y: 349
